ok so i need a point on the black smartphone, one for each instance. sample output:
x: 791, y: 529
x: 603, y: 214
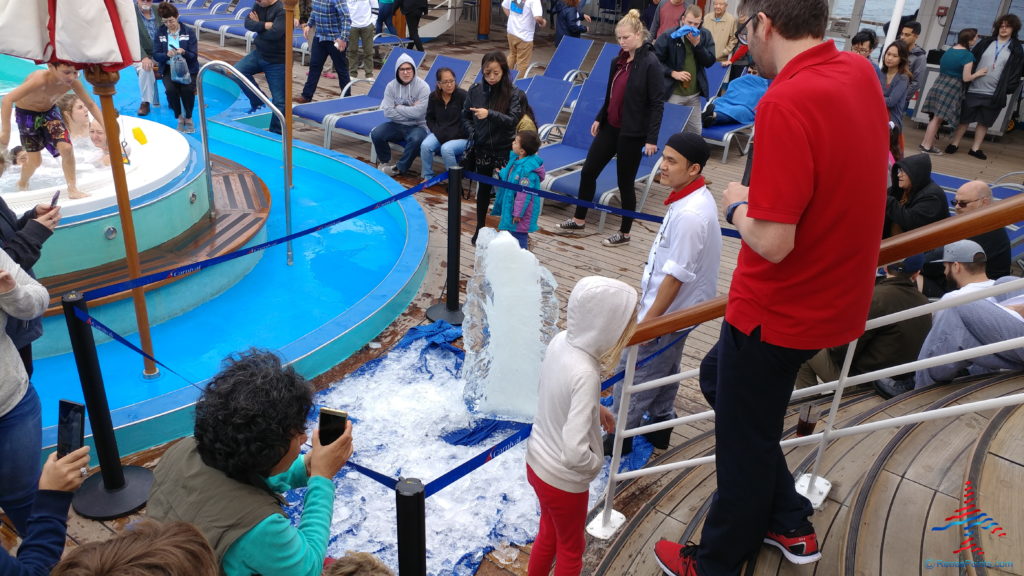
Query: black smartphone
x: 53, y: 201
x: 332, y: 424
x: 70, y: 427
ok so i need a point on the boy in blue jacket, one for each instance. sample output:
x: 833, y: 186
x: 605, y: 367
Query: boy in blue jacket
x: 519, y: 210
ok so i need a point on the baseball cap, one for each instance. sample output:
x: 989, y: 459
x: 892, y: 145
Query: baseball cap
x: 908, y: 265
x: 963, y: 251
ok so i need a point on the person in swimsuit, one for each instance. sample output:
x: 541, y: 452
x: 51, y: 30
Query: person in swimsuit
x: 40, y: 123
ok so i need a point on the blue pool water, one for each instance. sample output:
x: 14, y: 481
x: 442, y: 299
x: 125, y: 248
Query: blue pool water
x: 347, y: 283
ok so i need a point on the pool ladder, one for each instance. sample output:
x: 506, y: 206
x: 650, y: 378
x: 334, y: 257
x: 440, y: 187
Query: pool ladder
x: 233, y: 72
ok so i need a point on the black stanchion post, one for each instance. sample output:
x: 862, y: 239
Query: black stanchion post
x: 450, y: 310
x: 410, y: 499
x: 117, y: 491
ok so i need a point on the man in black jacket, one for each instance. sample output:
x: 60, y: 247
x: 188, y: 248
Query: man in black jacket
x: 683, y: 61
x: 1003, y: 56
x: 267, y: 20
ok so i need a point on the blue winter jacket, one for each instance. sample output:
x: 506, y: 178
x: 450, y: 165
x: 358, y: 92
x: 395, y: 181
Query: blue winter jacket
x: 509, y: 204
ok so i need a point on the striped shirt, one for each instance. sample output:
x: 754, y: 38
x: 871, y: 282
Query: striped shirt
x: 331, y: 19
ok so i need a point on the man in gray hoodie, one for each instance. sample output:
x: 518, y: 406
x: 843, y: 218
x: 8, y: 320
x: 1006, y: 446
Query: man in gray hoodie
x: 405, y: 106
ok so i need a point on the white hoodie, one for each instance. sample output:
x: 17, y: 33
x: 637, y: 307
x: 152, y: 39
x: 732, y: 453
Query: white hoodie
x: 565, y: 448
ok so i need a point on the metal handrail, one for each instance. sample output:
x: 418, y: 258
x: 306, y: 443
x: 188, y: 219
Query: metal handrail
x: 222, y: 66
x: 893, y: 249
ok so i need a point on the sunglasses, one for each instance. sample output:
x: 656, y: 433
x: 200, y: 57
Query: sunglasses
x: 962, y: 203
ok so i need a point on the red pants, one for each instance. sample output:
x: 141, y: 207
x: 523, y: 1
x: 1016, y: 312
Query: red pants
x: 563, y: 517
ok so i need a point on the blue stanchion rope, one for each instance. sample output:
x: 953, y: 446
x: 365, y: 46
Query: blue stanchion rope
x: 576, y: 201
x: 190, y: 268
x: 477, y: 461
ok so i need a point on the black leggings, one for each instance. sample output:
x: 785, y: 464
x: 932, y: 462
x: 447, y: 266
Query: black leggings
x: 180, y: 97
x: 485, y: 167
x: 412, y: 21
x: 609, y: 144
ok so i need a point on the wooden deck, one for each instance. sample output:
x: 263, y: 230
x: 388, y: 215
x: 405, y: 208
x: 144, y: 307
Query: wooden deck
x: 673, y: 505
x: 242, y: 204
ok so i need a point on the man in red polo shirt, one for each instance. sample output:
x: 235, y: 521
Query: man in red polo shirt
x: 803, y: 281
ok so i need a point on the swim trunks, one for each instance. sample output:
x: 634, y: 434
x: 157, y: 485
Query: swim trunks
x: 41, y: 129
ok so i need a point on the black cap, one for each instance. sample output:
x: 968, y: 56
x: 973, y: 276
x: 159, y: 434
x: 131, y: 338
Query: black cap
x: 691, y: 146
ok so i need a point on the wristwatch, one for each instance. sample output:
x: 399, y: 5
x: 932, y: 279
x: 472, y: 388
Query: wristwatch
x: 732, y: 210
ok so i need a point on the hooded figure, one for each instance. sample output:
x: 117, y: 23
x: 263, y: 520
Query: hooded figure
x: 564, y: 452
x: 565, y: 448
x: 406, y: 103
x: 914, y: 199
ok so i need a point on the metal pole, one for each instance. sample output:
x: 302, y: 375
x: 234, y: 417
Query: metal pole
x: 117, y: 491
x: 104, y: 86
x: 450, y: 310
x: 286, y: 132
x: 410, y: 504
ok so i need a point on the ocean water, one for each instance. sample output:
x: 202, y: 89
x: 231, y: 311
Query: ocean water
x: 874, y: 10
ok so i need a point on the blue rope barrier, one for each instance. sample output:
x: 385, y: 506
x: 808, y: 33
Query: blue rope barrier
x: 643, y: 361
x: 91, y: 321
x: 570, y: 200
x: 477, y: 461
x: 195, y: 267
x: 374, y: 475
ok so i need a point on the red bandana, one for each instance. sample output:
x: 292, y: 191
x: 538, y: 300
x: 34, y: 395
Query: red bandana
x: 684, y: 192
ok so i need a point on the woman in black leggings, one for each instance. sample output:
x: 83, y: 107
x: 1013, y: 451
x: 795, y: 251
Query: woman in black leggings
x: 626, y: 127
x: 492, y: 110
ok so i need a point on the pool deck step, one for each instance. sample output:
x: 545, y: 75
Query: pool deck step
x: 242, y: 204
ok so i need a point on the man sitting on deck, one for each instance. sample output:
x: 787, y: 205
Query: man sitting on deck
x: 976, y: 323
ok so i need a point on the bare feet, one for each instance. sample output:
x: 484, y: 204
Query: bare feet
x: 22, y: 184
x: 75, y: 193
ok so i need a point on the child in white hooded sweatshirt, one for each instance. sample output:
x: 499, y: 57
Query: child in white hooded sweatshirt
x: 564, y: 452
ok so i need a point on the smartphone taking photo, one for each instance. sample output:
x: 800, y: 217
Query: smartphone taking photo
x: 332, y: 425
x: 53, y: 201
x: 70, y: 427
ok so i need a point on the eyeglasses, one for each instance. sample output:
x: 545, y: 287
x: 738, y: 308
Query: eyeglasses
x: 447, y: 82
x: 962, y: 203
x: 741, y: 32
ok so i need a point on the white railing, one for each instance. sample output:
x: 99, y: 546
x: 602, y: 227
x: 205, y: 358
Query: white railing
x: 608, y: 522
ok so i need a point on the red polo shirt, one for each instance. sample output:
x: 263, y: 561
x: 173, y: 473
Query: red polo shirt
x: 819, y: 163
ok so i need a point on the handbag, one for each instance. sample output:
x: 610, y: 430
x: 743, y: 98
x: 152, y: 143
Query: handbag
x: 179, y: 70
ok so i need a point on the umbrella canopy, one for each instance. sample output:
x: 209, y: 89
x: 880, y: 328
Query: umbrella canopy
x: 79, y: 32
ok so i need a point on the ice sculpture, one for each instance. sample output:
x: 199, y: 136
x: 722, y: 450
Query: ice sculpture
x: 511, y: 315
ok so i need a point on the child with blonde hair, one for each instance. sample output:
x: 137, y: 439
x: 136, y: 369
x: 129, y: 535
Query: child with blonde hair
x: 564, y: 451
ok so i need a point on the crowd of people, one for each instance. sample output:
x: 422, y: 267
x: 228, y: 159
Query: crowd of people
x: 793, y: 306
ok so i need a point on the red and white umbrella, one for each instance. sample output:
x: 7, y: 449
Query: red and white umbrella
x: 79, y: 32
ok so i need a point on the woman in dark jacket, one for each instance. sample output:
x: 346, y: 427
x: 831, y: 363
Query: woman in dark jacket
x: 444, y: 119
x: 414, y: 10
x: 568, y: 19
x: 626, y: 127
x: 914, y: 199
x: 493, y: 108
x: 173, y: 40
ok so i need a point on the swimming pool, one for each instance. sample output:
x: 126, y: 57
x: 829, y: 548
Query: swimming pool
x: 346, y: 285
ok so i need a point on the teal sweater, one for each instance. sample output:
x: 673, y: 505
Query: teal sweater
x: 526, y: 171
x: 276, y: 548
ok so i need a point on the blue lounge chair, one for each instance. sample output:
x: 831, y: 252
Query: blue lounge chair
x: 576, y: 138
x: 327, y: 112
x: 547, y: 96
x: 218, y: 24
x: 673, y: 120
x: 358, y: 126
x: 567, y: 61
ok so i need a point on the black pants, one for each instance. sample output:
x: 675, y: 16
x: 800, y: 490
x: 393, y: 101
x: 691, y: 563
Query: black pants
x: 180, y: 97
x: 629, y: 151
x: 412, y: 21
x: 318, y: 57
x: 748, y: 383
x: 485, y: 167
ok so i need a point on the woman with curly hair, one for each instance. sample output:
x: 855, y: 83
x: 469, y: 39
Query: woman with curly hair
x: 250, y: 426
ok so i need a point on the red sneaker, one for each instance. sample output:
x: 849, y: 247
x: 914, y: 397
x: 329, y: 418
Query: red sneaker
x: 676, y: 559
x: 799, y: 546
